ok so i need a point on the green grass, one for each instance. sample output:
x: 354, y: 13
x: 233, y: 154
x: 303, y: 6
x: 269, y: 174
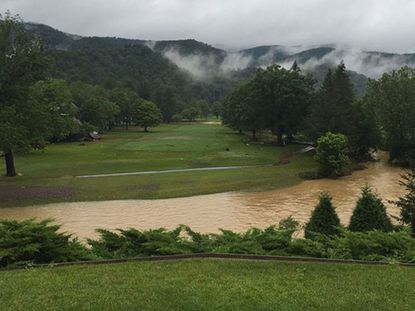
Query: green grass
x: 210, y: 285
x: 172, y: 146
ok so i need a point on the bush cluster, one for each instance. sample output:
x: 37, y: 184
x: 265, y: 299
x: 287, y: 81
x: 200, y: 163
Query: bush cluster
x: 29, y: 241
x: 373, y: 245
x: 29, y: 247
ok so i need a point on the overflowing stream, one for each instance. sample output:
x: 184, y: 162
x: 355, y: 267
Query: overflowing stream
x: 236, y: 211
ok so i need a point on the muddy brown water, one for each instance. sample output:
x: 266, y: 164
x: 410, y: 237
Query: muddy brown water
x: 236, y: 211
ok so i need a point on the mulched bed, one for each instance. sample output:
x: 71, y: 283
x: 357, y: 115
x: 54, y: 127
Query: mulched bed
x: 15, y: 193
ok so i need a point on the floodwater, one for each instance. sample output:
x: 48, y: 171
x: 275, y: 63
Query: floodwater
x: 236, y: 211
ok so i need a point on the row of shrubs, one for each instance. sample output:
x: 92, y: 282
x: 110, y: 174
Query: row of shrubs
x: 369, y: 236
x: 369, y: 214
x: 28, y: 242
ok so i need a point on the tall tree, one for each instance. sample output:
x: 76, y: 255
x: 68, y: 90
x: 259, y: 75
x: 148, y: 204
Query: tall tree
x: 336, y: 110
x: 284, y: 97
x: 56, y: 97
x: 22, y: 63
x: 126, y: 101
x: 95, y: 105
x: 392, y: 97
x: 240, y: 112
x: 275, y: 99
x: 168, y: 103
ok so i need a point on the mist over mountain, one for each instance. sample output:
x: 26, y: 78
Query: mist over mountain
x: 203, y: 62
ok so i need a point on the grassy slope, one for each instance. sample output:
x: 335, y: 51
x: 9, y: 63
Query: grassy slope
x: 166, y: 147
x: 210, y: 285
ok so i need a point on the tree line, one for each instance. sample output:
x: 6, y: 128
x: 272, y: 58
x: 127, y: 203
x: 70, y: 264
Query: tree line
x: 36, y: 109
x: 287, y: 103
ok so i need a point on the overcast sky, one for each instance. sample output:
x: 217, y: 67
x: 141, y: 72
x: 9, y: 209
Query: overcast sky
x: 386, y: 25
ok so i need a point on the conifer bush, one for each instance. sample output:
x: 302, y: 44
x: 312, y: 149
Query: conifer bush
x: 370, y: 213
x: 406, y: 203
x: 324, y: 219
x: 28, y: 242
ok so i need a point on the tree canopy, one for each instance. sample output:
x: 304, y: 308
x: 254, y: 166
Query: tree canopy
x: 146, y: 114
x: 276, y: 99
x: 331, y: 154
x: 22, y: 63
x: 392, y: 98
x: 337, y: 110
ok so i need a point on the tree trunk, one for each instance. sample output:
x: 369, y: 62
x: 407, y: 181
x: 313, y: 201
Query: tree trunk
x: 413, y: 222
x: 290, y: 138
x: 280, y: 141
x: 145, y: 129
x: 10, y: 169
x: 240, y: 131
x: 253, y: 135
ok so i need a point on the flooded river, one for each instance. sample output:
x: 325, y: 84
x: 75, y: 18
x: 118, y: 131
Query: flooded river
x: 236, y: 211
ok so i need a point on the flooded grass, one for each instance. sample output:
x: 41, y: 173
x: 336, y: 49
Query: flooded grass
x: 237, y: 211
x: 203, y: 145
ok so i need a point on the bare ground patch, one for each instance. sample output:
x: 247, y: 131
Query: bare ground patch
x: 16, y: 193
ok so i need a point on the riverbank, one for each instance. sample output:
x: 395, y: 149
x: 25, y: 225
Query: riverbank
x: 50, y: 175
x: 210, y: 285
x: 237, y: 211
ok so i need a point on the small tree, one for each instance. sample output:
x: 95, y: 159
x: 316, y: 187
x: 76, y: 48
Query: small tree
x: 203, y: 108
x: 324, y: 219
x: 190, y: 114
x: 146, y: 114
x: 217, y: 109
x: 331, y: 154
x: 370, y: 213
x: 407, y: 202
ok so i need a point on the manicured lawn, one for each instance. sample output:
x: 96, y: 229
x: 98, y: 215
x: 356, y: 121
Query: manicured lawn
x: 210, y: 285
x: 52, y: 171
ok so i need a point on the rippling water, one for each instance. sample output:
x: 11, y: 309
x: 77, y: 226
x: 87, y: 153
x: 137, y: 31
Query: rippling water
x: 207, y: 213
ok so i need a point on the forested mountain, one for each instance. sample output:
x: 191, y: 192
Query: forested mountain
x: 194, y: 70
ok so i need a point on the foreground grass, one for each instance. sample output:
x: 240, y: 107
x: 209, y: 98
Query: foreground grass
x: 167, y: 147
x: 210, y: 285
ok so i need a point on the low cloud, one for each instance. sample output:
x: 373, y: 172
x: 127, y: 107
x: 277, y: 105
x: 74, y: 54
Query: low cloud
x: 371, y: 64
x: 203, y: 67
x: 235, y: 61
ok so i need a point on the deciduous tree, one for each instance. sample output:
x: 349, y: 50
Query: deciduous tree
x: 331, y: 154
x: 22, y: 63
x: 146, y: 114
